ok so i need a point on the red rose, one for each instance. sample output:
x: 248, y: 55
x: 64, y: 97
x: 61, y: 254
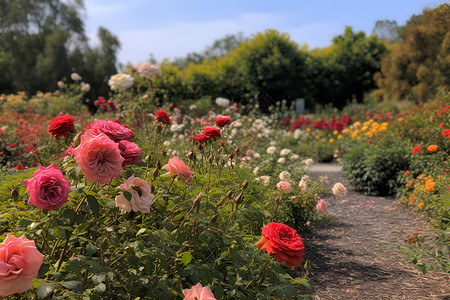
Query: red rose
x: 416, y: 149
x: 62, y: 126
x: 446, y: 131
x: 163, y: 117
x: 199, y: 138
x: 222, y: 121
x: 212, y: 132
x: 283, y: 242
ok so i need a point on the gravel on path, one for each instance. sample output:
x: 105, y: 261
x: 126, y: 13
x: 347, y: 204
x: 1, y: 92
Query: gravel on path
x: 349, y: 257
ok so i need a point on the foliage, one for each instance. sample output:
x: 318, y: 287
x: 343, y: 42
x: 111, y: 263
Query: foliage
x: 419, y: 64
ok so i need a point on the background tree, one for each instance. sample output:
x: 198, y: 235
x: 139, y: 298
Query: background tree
x: 421, y: 62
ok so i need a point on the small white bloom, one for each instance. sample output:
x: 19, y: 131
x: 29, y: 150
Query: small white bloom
x: 271, y: 150
x: 60, y: 84
x: 308, y: 162
x: 255, y: 170
x: 285, y: 152
x: 281, y: 160
x: 295, y: 156
x: 222, y: 102
x: 285, y: 176
x: 167, y: 143
x: 256, y: 155
x: 85, y: 87
x: 265, y: 179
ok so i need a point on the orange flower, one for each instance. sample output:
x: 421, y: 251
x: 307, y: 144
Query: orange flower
x: 420, y: 205
x: 441, y: 125
x: 406, y: 173
x: 429, y: 186
x: 432, y: 148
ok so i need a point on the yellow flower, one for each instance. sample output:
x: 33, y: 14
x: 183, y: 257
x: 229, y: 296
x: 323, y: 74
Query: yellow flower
x: 308, y: 129
x: 335, y: 132
x: 331, y: 140
x: 339, y: 137
x: 345, y: 130
x: 400, y: 119
x: 317, y: 136
x: 369, y: 134
x: 357, y: 124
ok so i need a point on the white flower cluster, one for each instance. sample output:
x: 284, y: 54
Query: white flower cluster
x: 222, y: 102
x: 147, y: 70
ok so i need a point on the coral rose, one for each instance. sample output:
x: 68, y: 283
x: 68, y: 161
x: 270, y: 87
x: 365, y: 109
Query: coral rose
x: 19, y: 263
x: 284, y: 186
x: 283, y: 242
x: 48, y: 189
x: 130, y: 152
x: 113, y: 130
x: 198, y: 292
x: 221, y: 121
x: 212, y: 132
x: 177, y: 167
x: 98, y: 156
x: 62, y: 126
x: 141, y: 196
x: 321, y: 206
x: 339, y: 190
x: 163, y: 117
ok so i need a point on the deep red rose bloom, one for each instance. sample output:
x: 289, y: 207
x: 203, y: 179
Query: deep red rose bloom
x: 62, y: 126
x: 283, y: 242
x: 163, y: 117
x: 199, y: 138
x: 222, y: 121
x: 416, y: 149
x: 212, y: 132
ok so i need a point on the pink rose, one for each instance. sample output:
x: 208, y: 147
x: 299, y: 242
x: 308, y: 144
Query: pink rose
x: 176, y: 167
x: 130, y: 152
x: 198, y: 292
x: 98, y: 156
x: 48, y: 189
x: 321, y: 206
x: 141, y: 196
x: 284, y: 186
x: 303, y: 185
x: 19, y: 263
x: 113, y: 130
x: 339, y: 190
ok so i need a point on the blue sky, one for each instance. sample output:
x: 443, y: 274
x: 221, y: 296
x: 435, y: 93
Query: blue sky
x: 173, y: 28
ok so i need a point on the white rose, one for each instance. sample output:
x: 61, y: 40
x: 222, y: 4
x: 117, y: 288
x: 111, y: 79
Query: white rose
x: 222, y: 102
x: 285, y: 176
x: 285, y: 152
x: 120, y: 82
x: 271, y: 150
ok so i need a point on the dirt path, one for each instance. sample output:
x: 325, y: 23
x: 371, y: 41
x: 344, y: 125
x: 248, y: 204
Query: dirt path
x: 349, y: 258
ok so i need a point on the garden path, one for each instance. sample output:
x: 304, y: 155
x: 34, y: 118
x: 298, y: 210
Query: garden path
x: 349, y: 257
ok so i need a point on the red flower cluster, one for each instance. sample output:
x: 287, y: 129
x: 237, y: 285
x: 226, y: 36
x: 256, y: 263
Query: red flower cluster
x: 105, y: 105
x: 163, y: 117
x: 446, y: 132
x: 283, y: 242
x: 221, y: 121
x: 302, y: 121
x: 62, y: 126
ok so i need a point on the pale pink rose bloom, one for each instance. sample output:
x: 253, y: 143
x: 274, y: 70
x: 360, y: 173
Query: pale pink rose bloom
x: 193, y: 107
x: 285, y: 176
x: 140, y: 201
x: 339, y: 190
x: 321, y: 206
x: 147, y: 70
x: 177, y: 167
x: 130, y: 152
x: 98, y: 156
x: 48, y: 189
x: 113, y: 130
x: 198, y: 292
x: 85, y: 87
x: 75, y: 77
x: 60, y: 84
x: 303, y: 185
x: 19, y: 263
x: 284, y: 186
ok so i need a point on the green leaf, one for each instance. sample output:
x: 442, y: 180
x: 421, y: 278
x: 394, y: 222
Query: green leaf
x: 141, y: 231
x: 90, y: 249
x: 127, y: 195
x: 179, y: 216
x: 72, y: 285
x: 43, y: 269
x: 137, y: 189
x: 100, y: 288
x: 45, y: 289
x: 186, y: 257
x: 93, y: 204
